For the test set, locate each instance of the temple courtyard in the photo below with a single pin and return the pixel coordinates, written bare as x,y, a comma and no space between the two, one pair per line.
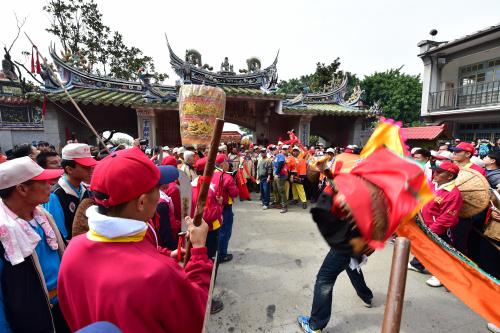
271,280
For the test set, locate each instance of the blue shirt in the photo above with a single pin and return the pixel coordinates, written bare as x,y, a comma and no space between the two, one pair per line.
53,206
48,258
278,164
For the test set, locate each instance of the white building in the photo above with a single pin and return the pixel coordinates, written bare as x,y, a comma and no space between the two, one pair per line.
461,84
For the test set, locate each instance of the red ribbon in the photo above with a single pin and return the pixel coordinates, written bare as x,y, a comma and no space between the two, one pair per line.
35,66
180,246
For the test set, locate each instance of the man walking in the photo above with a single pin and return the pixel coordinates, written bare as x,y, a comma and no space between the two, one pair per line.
280,178
264,175
70,190
31,250
297,177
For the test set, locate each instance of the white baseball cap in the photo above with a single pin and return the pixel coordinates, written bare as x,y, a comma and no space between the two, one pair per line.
166,148
78,152
285,147
296,148
20,170
330,150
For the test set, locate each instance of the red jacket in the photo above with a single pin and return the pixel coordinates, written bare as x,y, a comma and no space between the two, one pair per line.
477,168
212,214
175,194
225,185
132,286
441,213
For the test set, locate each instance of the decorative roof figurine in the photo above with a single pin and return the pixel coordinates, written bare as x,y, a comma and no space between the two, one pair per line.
254,77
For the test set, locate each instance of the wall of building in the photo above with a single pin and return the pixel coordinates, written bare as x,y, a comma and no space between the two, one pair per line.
337,131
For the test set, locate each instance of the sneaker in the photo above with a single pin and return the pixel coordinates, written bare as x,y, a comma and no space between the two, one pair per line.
434,282
304,205
265,207
216,306
367,304
493,328
226,258
283,210
413,268
304,324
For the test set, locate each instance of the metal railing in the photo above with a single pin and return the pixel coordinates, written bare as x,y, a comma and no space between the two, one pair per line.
469,96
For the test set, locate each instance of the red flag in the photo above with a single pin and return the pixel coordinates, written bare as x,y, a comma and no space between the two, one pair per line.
32,60
38,68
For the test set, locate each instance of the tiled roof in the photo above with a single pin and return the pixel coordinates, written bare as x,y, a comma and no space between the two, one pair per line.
423,133
102,97
108,97
13,100
249,92
325,109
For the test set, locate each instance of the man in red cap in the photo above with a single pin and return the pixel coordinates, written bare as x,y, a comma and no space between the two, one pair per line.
154,293
462,155
70,190
31,251
225,187
441,214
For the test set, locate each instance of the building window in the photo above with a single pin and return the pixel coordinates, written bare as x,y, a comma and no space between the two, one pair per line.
20,116
486,71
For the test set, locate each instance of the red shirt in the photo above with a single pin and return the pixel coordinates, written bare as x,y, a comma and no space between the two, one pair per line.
477,168
441,213
225,185
212,214
175,194
133,286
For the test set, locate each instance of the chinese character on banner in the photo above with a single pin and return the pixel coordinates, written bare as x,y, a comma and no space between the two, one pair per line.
146,129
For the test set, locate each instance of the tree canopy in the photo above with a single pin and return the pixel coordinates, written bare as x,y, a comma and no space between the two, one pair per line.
78,25
316,81
399,94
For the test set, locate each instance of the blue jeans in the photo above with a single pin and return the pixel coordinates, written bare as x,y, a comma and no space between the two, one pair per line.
226,229
333,265
265,191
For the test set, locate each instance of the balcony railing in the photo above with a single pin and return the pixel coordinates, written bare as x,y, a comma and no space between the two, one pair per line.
469,96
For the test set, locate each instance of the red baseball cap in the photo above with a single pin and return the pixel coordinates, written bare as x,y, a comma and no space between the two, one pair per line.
169,160
123,176
464,146
200,164
449,166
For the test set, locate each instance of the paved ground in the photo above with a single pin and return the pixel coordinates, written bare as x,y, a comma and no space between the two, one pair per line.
271,280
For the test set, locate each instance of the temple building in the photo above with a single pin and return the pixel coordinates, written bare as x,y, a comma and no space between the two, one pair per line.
148,110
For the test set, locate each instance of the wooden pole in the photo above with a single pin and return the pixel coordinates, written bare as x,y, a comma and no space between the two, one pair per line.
207,173
69,96
397,284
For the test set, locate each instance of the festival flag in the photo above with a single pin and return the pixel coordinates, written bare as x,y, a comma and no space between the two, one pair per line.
35,65
478,290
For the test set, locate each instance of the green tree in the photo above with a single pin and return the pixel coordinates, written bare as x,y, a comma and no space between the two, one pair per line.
316,81
399,94
79,27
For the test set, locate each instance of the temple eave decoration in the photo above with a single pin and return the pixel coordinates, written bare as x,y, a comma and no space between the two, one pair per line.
192,70
75,75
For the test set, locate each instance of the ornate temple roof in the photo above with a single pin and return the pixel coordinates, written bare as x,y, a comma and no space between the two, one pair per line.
192,70
328,110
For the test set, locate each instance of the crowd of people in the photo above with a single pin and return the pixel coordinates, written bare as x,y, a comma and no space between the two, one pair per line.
117,216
